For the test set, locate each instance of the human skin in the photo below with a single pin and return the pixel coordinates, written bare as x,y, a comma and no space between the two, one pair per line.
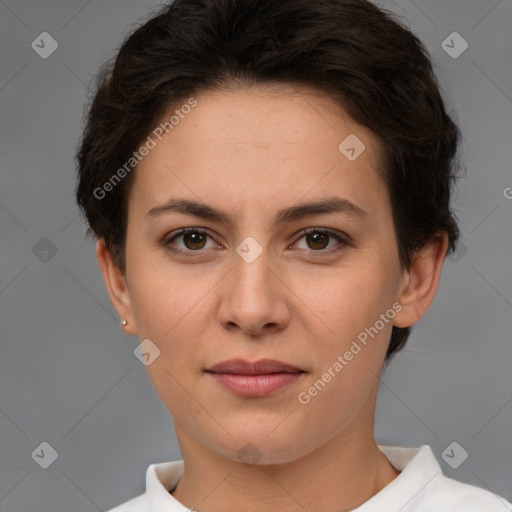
251,152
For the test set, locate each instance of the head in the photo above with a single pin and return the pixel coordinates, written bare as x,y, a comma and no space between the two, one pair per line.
228,104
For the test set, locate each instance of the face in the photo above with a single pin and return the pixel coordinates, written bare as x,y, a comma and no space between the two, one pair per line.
265,279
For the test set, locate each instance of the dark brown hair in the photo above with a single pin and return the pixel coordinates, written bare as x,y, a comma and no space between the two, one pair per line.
350,50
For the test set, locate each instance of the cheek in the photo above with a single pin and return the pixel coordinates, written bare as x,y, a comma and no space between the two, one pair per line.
166,312
160,296
172,308
353,352
353,298
351,308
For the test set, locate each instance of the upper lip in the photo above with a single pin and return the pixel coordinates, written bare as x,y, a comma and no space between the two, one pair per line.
261,367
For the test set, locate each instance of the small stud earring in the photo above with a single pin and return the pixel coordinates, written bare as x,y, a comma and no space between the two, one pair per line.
124,322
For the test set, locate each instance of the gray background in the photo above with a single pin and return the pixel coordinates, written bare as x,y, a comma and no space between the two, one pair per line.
68,376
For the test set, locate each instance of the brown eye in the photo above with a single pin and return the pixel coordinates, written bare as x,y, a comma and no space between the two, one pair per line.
317,240
193,239
320,240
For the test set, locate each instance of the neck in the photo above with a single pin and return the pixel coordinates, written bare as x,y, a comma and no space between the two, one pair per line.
338,476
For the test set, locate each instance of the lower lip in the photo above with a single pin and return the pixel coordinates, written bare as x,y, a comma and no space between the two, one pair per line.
255,385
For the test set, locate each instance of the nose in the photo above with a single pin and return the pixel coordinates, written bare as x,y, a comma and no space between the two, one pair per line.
254,298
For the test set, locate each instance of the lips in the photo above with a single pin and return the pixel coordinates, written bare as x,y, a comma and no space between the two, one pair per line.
255,379
261,367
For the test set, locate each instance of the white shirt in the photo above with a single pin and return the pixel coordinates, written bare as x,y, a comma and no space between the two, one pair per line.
420,487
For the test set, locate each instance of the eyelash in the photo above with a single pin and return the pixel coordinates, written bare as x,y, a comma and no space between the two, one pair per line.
342,243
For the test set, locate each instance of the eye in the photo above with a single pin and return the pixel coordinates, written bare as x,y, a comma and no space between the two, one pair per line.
193,239
317,240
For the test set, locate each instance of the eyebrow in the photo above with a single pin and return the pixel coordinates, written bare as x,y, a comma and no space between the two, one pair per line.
200,209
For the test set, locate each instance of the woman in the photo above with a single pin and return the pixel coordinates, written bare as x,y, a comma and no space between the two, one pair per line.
269,183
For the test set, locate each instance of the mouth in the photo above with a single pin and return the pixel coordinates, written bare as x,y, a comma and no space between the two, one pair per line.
254,379
261,367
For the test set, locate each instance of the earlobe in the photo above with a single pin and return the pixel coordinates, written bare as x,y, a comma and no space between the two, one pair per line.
117,288
421,281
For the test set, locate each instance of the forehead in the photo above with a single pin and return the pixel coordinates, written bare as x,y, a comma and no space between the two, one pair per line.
258,146
271,114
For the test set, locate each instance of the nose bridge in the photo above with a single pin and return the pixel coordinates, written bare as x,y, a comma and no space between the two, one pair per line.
252,274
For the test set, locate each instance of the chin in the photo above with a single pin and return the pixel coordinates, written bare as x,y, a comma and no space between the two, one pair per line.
264,447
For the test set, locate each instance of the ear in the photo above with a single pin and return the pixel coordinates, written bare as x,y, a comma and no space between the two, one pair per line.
117,288
420,281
